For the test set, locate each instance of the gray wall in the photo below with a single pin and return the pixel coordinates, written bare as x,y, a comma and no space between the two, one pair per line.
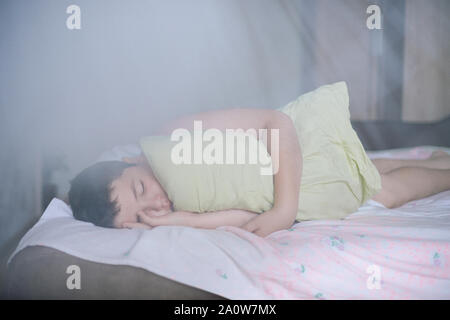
134,64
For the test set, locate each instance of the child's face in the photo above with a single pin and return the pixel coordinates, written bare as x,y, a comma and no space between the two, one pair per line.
137,190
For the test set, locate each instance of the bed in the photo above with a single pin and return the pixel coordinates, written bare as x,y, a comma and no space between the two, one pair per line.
375,253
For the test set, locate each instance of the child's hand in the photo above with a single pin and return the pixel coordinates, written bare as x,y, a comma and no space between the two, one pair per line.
268,222
176,218
157,213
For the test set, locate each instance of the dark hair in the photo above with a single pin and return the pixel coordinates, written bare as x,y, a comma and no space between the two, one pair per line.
89,194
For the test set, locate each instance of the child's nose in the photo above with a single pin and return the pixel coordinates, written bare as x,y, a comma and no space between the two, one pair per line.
163,203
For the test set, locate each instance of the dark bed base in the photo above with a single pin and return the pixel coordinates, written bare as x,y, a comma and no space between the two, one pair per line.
40,273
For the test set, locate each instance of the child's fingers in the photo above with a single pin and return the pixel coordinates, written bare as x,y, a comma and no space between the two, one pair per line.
154,220
250,226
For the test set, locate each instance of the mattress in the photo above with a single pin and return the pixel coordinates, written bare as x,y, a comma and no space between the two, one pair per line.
375,253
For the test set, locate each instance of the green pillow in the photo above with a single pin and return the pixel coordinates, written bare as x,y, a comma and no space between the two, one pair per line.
337,176
210,187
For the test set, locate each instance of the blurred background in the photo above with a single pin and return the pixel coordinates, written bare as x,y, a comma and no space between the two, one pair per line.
67,95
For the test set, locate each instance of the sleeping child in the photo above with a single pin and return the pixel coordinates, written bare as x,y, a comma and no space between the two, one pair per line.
319,171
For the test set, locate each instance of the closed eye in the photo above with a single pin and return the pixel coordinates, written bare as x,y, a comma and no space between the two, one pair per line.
143,188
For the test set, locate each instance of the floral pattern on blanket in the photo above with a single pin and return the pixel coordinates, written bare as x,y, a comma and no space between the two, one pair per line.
367,258
362,257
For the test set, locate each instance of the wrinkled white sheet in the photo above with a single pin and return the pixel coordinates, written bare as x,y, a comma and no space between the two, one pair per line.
375,253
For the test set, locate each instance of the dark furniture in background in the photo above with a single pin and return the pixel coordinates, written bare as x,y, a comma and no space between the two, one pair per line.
379,135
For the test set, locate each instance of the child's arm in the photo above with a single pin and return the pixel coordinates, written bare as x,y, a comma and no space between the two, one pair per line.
288,160
232,217
207,220
286,181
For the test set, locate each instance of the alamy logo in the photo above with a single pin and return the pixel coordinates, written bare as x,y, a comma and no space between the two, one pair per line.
74,20
74,280
190,150
374,20
374,280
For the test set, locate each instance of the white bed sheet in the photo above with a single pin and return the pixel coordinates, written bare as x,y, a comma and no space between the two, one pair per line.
375,253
